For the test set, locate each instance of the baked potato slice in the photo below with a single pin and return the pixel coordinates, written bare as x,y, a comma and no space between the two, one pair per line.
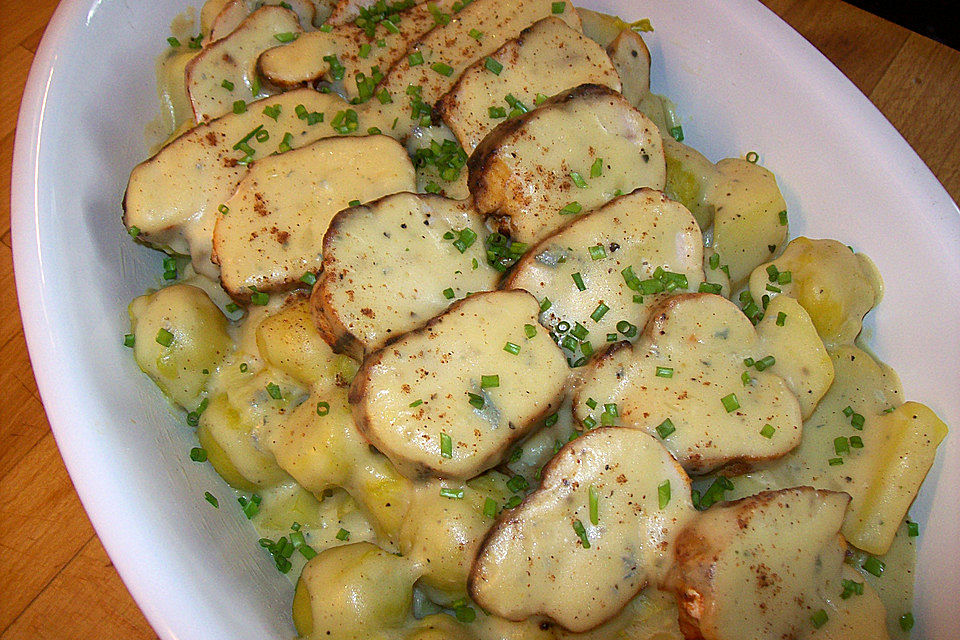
575,152
686,381
391,265
357,52
272,230
836,286
226,71
172,198
543,60
436,60
600,526
450,398
600,260
759,567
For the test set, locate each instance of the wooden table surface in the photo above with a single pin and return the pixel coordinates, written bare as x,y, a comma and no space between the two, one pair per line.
56,581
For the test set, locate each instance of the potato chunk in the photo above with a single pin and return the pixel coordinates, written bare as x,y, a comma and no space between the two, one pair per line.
597,531
319,445
391,265
234,59
181,337
543,60
356,591
759,567
522,175
641,231
172,198
273,230
451,397
836,286
685,380
747,225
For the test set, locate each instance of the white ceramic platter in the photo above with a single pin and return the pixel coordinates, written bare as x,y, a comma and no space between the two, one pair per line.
744,81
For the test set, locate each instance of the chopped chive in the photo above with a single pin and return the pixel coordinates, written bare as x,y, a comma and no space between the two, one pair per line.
365,50
710,287
848,411
226,84
851,587
784,277
767,431
212,499
913,529
578,180
251,506
164,337
594,506
490,508
578,280
581,533
571,208
384,97
611,409
239,107
664,372
442,68
765,363
415,58
627,329
476,35
129,340
596,169
558,7
529,330
193,418
599,312
874,566
819,618
591,403
518,483
545,304
783,218
198,454
745,378
497,112
492,66
511,348
589,422
323,408
611,337
841,445
516,454
343,535
856,442
663,493
173,42
416,403
446,446
259,298
309,278
551,419
677,133
449,294
286,36
454,494
781,318
665,428
597,252
489,382
857,421
730,402
835,462
272,112
243,367
274,391
475,400
714,261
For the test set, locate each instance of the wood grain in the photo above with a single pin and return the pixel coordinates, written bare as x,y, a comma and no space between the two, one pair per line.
55,579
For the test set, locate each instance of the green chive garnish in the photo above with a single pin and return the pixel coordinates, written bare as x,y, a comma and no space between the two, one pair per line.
578,180
596,169
906,621
665,428
664,372
581,533
164,337
599,312
449,294
212,499
454,494
913,529
558,7
819,618
490,508
323,408
129,340
597,252
239,107
442,68
730,402
274,391
343,535
874,566
663,493
475,400
594,506
511,348
492,66
198,454
446,445
578,280
571,208
767,431
416,403
489,382
529,330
